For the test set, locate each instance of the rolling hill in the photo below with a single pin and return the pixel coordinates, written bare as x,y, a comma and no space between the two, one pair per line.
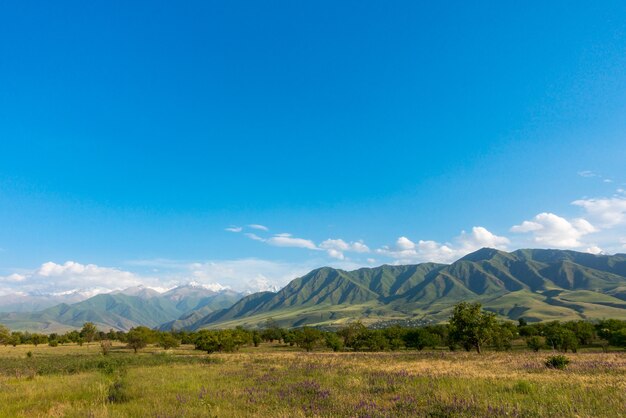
534,284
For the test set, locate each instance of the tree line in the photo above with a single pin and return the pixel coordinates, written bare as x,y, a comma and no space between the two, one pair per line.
469,328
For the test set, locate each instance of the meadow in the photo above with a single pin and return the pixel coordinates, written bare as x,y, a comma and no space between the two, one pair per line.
275,380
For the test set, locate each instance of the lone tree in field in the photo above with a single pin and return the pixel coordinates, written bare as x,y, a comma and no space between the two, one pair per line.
471,327
138,338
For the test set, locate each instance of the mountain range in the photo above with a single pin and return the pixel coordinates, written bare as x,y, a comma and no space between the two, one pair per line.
532,283
124,309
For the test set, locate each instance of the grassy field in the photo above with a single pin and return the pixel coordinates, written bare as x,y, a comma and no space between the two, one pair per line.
273,381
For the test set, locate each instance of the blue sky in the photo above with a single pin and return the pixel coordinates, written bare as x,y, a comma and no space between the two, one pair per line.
137,139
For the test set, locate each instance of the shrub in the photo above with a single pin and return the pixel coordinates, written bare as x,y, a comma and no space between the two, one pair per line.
106,367
557,362
522,386
118,391
53,343
105,347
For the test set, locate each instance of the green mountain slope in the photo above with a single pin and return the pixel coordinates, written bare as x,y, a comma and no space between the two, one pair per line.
535,284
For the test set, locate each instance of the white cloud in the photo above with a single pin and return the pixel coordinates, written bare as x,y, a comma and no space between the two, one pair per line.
429,250
594,250
606,212
554,231
359,247
259,227
249,274
13,278
406,251
286,240
53,278
233,229
335,254
587,173
254,237
337,247
404,244
480,237
262,284
337,244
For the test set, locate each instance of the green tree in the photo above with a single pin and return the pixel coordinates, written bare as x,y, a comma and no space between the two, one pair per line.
37,339
241,337
16,338
420,338
607,327
503,334
308,338
536,343
370,340
138,338
5,335
73,336
471,327
167,341
289,337
207,341
584,331
226,341
553,331
271,331
333,341
111,335
256,338
395,337
353,335
89,331
618,338
569,341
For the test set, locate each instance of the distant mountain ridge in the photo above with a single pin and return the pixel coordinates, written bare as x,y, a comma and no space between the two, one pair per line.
123,309
37,302
533,283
